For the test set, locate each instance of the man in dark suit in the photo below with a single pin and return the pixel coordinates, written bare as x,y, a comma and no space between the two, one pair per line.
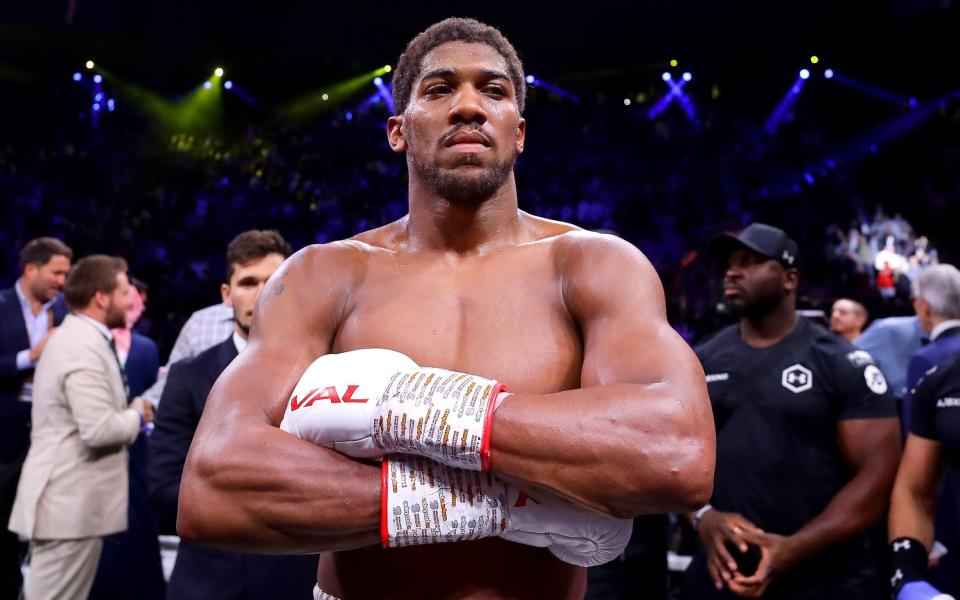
936,300
29,312
204,573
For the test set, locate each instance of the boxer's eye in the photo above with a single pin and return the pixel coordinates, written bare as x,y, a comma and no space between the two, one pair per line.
437,89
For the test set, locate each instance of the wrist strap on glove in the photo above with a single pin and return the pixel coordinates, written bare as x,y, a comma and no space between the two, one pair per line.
444,415
423,502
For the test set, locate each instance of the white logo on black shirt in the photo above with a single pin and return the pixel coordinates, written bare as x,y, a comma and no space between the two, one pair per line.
858,358
712,377
797,378
875,379
948,403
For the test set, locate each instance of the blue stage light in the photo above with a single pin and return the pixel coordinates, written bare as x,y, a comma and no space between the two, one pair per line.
96,107
97,78
666,76
687,76
111,105
77,76
228,84
98,97
804,74
828,73
207,85
531,78
378,81
349,116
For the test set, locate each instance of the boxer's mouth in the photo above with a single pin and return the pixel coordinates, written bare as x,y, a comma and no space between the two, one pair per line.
467,137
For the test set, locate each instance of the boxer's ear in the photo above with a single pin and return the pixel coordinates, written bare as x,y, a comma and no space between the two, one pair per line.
395,134
521,134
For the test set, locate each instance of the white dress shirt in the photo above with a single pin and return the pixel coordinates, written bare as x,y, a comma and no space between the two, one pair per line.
37,326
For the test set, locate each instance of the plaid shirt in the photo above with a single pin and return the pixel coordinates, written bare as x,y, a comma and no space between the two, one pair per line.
205,328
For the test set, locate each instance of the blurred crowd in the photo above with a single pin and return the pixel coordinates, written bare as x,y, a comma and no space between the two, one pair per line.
169,202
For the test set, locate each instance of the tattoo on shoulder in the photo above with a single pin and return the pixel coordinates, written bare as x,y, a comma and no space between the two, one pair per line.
278,287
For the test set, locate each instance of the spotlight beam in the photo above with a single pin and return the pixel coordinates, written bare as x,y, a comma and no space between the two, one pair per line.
553,89
385,93
874,91
311,104
783,107
676,89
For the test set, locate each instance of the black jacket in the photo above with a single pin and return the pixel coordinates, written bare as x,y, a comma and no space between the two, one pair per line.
205,573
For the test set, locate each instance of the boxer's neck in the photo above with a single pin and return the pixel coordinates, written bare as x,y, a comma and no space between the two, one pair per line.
437,224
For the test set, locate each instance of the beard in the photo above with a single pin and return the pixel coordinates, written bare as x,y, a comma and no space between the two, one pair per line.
116,317
464,188
762,303
244,327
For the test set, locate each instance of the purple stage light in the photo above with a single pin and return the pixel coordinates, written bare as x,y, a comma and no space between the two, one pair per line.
111,105
228,84
207,85
828,73
378,81
98,96
687,76
804,74
666,76
96,107
531,79
77,76
97,78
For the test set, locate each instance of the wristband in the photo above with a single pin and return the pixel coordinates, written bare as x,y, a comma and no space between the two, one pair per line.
440,414
698,516
908,562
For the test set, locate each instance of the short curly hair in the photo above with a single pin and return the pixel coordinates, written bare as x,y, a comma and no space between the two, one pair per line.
453,29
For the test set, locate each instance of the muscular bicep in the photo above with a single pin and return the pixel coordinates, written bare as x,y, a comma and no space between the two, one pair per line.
293,323
870,443
618,301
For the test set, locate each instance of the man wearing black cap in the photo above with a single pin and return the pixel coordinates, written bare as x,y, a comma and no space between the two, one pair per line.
807,441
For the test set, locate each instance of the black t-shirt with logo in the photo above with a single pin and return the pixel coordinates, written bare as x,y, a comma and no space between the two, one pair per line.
936,407
778,460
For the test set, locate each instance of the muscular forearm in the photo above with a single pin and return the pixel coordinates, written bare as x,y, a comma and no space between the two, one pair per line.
264,491
857,506
622,449
911,514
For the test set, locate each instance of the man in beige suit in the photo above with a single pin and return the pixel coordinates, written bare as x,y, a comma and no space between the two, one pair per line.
73,488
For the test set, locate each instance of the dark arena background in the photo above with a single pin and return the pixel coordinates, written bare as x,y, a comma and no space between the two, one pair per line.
150,165
158,131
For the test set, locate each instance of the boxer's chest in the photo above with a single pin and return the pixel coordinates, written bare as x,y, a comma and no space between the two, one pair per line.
500,316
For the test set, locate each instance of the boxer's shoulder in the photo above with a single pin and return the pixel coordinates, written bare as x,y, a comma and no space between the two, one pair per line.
341,258
594,261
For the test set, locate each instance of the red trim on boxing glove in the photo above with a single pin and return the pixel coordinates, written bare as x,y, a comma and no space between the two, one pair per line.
384,487
485,462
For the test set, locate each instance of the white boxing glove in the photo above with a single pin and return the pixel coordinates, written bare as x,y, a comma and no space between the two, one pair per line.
373,402
424,502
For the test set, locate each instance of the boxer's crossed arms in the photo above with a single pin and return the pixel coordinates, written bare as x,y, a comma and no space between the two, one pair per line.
541,367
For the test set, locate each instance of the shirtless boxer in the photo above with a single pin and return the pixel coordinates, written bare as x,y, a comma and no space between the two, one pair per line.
608,411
